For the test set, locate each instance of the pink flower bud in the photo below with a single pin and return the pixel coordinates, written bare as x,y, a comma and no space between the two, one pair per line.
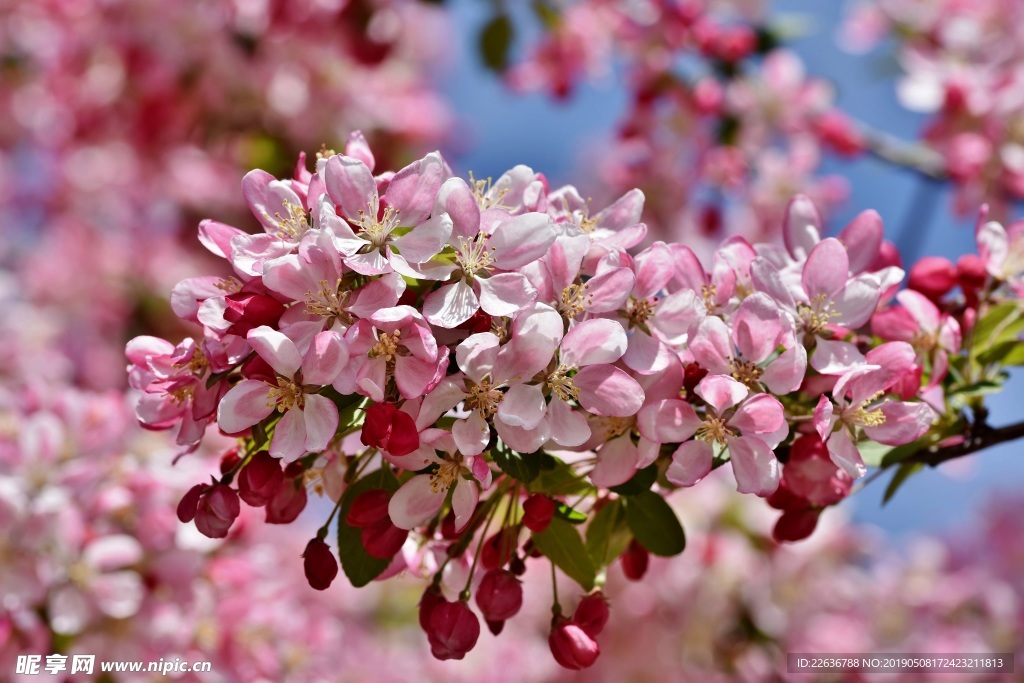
190,502
537,512
796,525
319,564
933,276
246,311
498,549
287,503
500,595
591,614
383,539
217,510
634,561
572,647
368,508
970,272
389,429
260,479
431,598
453,630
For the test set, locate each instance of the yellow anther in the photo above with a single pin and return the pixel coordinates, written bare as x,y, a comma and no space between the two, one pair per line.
286,395
561,385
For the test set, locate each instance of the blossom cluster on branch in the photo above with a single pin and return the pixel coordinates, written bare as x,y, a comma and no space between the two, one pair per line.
473,371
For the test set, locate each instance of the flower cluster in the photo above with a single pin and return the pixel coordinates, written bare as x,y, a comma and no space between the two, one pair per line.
470,370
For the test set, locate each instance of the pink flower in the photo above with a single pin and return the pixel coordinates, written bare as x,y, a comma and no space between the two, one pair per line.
750,432
572,647
1002,251
308,420
919,321
857,402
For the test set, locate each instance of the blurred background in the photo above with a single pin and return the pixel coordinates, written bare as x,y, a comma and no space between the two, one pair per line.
125,122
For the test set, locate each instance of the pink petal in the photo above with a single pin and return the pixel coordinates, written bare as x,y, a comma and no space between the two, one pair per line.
826,270
243,406
472,434
278,350
522,440
451,305
415,502
187,295
383,292
689,270
425,240
856,302
835,357
845,454
349,184
786,373
759,414
676,314
645,354
711,346
608,291
523,406
863,238
668,421
904,422
607,390
505,293
324,360
569,428
413,376
372,263
993,247
623,213
521,240
217,237
522,358
592,342
358,148
802,228
616,462
458,201
758,327
721,392
691,462
464,500
321,422
476,355
413,189
924,311
823,421
654,268
289,440
754,466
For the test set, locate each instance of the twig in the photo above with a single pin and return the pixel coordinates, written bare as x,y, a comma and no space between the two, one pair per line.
911,155
982,437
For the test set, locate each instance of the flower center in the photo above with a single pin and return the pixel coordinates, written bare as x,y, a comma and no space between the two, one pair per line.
231,285
183,393
710,295
196,365
483,399
866,415
638,311
486,196
714,430
574,300
473,256
285,396
560,384
815,315
377,230
746,372
617,426
328,302
386,346
446,474
293,224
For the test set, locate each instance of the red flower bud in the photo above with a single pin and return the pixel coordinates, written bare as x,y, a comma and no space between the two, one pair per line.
498,549
217,510
246,311
431,598
319,564
499,596
368,508
933,276
452,630
591,614
692,375
190,502
796,525
634,561
389,429
537,512
572,647
970,272
260,479
229,460
383,539
287,503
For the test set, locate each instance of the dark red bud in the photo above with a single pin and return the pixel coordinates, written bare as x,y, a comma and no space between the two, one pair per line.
500,595
368,508
190,502
217,510
572,647
260,479
453,630
537,512
319,564
287,503
634,561
431,598
692,375
495,627
383,539
933,276
591,614
229,460
498,549
246,311
796,525
389,429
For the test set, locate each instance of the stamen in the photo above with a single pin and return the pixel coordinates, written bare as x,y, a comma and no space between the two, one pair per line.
482,398
574,300
329,302
638,311
285,396
386,346
473,255
560,384
817,314
486,198
293,224
714,430
446,474
746,372
374,230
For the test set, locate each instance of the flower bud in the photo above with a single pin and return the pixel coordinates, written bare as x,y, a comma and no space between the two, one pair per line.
287,503
389,429
217,510
572,647
537,512
499,548
383,539
591,614
933,276
190,502
260,479
431,598
319,564
499,596
368,508
452,630
634,561
246,310
796,525
229,460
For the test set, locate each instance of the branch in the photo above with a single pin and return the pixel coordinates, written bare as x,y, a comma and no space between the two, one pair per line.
912,155
982,437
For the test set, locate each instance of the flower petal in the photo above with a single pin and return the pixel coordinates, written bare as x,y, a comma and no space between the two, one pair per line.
278,350
593,342
415,502
243,406
826,270
607,390
321,421
754,466
289,440
690,463
670,420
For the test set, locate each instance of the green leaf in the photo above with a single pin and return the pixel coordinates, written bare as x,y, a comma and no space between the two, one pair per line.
571,515
547,13
607,535
1009,352
982,388
903,472
562,544
525,468
360,567
872,452
999,324
495,42
654,524
215,377
642,481
558,479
